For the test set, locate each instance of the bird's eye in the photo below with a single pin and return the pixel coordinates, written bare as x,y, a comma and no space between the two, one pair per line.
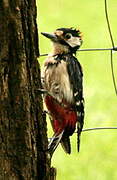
68,36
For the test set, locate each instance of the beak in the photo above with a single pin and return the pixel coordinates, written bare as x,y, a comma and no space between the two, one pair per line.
50,36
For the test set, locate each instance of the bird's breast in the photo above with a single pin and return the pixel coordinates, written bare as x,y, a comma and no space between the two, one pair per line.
56,80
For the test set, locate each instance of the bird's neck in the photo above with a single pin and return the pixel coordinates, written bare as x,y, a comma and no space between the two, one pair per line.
59,49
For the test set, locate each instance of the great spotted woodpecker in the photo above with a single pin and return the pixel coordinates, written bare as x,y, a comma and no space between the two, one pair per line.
63,81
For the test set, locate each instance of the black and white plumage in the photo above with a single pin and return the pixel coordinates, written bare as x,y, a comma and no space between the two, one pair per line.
63,80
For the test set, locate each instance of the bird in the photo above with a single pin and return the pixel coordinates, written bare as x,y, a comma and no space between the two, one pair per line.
62,80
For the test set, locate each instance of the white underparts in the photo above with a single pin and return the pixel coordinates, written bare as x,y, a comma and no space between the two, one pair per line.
56,82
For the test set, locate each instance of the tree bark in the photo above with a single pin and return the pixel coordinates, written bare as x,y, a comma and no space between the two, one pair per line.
23,138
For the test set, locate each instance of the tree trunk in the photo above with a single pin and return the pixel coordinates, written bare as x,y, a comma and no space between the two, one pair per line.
23,138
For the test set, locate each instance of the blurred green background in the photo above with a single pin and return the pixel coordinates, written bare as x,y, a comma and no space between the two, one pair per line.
98,154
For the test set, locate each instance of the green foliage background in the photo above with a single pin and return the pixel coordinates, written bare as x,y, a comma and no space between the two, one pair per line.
98,154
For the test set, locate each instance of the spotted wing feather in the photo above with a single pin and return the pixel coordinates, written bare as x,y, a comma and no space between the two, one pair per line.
76,80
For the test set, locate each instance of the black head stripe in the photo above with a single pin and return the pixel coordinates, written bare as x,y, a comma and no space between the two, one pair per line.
74,32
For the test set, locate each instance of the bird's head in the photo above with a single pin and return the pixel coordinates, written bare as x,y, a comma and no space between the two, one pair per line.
67,39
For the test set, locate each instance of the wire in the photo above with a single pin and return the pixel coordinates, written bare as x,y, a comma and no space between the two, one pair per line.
112,70
99,49
93,129
92,49
43,55
98,128
114,48
108,23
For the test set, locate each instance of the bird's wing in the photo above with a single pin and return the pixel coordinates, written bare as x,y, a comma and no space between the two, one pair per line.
76,80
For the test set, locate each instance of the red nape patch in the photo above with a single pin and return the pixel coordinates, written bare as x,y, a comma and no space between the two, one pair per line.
63,117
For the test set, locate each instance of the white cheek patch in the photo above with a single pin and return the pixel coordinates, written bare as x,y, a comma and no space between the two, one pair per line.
74,41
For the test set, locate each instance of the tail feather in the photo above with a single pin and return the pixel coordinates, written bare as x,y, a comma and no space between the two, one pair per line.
65,142
54,142
78,141
79,130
